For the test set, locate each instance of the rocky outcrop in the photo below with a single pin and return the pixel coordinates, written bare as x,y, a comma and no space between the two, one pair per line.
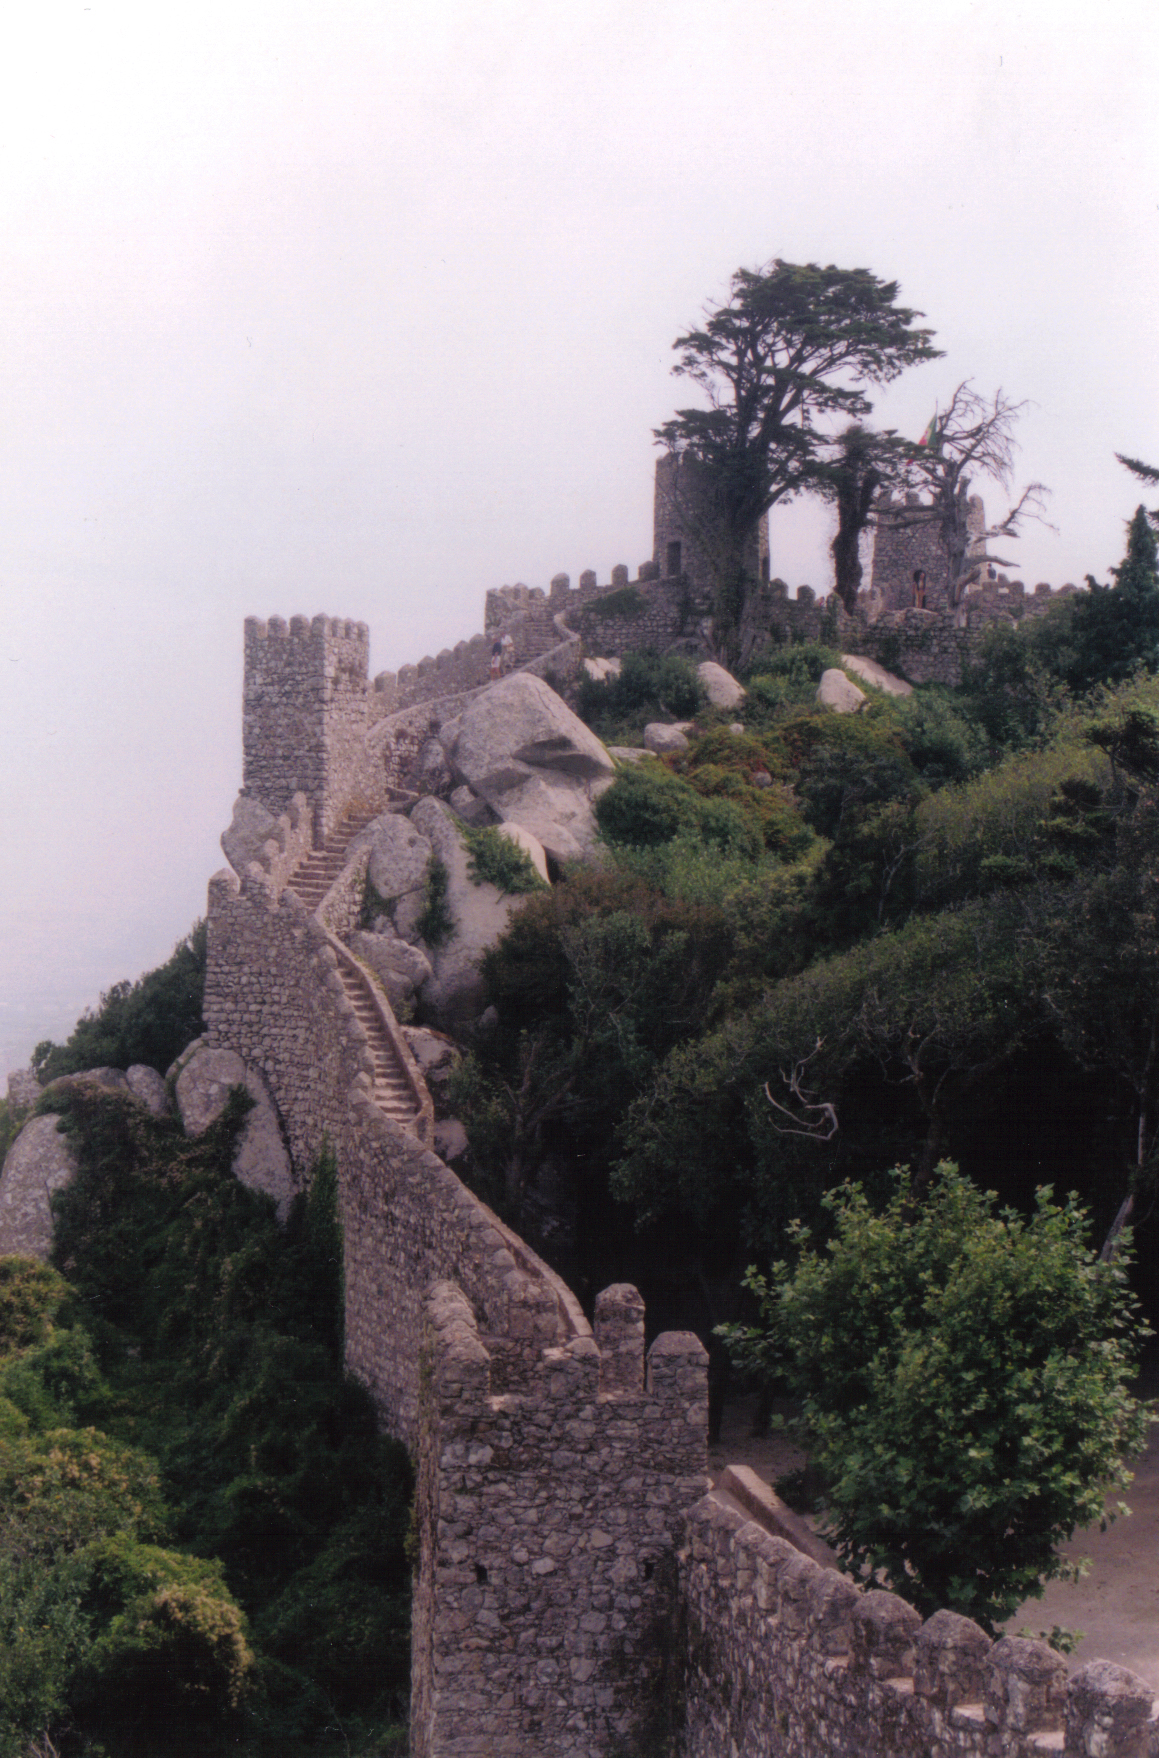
250,829
148,1088
260,1161
519,747
720,686
663,740
840,693
876,674
40,1160
400,967
531,846
453,996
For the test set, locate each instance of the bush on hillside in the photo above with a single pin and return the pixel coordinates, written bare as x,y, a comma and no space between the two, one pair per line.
650,686
206,1340
965,1376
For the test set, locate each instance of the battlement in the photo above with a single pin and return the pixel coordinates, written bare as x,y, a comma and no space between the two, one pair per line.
832,1666
304,713
316,629
571,1565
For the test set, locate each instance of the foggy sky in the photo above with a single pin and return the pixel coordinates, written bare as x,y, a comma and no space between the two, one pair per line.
364,308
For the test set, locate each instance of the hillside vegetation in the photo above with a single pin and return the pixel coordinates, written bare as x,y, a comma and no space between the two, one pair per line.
814,951
835,943
203,1545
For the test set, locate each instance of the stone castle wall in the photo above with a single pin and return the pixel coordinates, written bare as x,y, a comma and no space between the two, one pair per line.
556,1466
787,1659
304,712
577,1592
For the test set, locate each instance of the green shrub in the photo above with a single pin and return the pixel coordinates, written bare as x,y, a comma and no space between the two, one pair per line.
649,687
496,859
32,1298
436,924
173,1643
645,805
373,903
966,1380
627,602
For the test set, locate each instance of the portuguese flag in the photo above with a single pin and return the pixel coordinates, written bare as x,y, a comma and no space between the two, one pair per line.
930,435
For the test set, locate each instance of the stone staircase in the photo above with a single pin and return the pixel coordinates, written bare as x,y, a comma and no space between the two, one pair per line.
392,1091
313,876
310,881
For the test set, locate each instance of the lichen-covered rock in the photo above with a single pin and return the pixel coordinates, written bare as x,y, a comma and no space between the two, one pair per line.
517,726
453,995
876,674
203,1086
555,809
250,828
720,686
662,739
471,809
450,1140
521,749
23,1088
400,967
110,1080
840,693
260,1158
148,1088
435,1053
399,856
40,1160
531,846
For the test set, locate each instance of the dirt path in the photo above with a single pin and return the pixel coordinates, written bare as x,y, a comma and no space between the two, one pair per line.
1116,1605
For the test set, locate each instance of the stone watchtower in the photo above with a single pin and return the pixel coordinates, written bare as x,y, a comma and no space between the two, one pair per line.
677,510
304,714
906,544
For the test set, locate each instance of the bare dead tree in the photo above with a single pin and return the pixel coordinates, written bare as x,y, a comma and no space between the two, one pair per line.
822,1125
973,436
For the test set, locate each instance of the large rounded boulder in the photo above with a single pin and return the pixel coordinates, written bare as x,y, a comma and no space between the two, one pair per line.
519,747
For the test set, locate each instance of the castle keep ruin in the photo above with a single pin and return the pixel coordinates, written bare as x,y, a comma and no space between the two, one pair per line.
580,1591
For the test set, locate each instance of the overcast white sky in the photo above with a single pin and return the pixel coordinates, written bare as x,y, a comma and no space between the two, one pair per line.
366,307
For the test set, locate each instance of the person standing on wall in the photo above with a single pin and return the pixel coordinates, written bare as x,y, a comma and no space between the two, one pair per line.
496,658
507,646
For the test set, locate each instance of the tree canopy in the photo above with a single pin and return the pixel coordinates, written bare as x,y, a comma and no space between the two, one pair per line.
965,1376
794,345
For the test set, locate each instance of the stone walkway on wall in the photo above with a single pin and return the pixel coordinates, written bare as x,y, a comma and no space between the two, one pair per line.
394,1087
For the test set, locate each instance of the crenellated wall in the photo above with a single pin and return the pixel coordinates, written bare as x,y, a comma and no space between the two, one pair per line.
578,1593
556,1469
787,1659
304,712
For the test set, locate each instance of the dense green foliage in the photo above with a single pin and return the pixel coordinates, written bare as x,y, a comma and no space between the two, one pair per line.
219,1553
436,922
912,922
148,1021
647,687
964,1377
497,859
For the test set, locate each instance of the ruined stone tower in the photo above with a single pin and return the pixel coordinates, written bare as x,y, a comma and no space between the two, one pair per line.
905,544
677,509
304,713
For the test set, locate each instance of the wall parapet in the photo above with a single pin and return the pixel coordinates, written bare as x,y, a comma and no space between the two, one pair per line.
788,1659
